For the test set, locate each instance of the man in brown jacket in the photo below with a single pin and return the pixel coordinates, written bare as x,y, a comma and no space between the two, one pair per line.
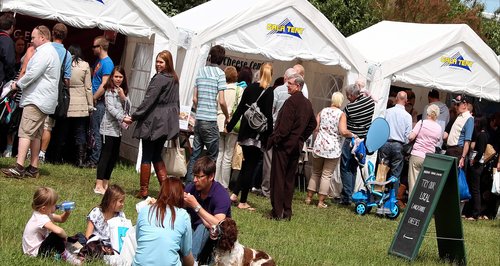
294,125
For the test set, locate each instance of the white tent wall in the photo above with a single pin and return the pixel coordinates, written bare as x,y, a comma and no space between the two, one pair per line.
147,28
447,57
252,27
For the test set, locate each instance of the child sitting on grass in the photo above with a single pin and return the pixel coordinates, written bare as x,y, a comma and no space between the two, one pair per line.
111,206
41,236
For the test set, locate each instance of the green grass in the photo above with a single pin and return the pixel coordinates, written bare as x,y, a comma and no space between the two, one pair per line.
333,236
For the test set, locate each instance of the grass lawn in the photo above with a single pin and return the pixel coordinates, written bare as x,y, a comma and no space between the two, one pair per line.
333,236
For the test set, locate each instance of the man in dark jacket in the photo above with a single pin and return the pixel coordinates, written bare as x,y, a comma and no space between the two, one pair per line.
294,125
7,51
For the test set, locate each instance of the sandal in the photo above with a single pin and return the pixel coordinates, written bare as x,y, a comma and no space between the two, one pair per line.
470,219
307,201
484,217
234,198
245,207
322,206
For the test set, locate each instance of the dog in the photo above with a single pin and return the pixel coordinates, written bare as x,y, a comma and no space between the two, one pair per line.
229,252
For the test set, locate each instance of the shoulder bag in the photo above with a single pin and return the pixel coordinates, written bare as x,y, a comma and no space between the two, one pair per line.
63,95
256,119
408,147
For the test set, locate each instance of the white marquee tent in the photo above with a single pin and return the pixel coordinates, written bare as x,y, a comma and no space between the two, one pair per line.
147,28
255,31
447,57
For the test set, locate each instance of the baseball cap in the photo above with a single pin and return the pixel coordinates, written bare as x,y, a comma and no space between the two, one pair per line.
461,99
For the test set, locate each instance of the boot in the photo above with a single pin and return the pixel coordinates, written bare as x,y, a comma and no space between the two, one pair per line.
80,160
144,181
400,196
161,171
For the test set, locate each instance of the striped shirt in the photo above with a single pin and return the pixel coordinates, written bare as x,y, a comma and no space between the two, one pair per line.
359,115
210,81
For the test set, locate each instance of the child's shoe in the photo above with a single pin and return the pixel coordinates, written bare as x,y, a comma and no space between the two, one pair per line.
71,258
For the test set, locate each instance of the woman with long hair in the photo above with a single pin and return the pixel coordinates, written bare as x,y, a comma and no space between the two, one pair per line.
164,234
81,103
157,119
251,141
116,113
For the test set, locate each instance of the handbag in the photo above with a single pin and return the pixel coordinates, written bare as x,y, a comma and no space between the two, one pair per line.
63,95
118,227
495,187
489,153
174,158
463,188
256,119
408,147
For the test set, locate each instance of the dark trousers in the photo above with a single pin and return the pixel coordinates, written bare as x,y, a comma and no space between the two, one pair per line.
283,169
473,207
53,243
109,155
252,157
151,150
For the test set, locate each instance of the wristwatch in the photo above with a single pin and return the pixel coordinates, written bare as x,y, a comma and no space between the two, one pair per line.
197,208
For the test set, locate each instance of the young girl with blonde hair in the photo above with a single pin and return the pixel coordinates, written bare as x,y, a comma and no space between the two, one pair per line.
41,236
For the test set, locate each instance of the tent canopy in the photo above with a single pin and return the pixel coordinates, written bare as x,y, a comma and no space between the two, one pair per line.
449,57
285,31
138,18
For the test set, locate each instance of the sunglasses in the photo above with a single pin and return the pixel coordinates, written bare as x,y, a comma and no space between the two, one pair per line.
95,46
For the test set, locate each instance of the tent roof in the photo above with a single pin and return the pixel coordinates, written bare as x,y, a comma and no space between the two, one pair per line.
398,45
140,18
220,17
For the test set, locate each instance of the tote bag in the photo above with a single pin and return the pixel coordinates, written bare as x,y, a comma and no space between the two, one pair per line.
174,158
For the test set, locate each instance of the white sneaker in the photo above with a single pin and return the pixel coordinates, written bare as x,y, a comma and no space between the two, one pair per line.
41,158
7,154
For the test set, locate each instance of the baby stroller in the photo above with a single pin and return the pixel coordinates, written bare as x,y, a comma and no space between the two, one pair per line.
376,194
8,105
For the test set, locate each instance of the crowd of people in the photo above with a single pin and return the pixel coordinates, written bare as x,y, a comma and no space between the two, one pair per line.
269,122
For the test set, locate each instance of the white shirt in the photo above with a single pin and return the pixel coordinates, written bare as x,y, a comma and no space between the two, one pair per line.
305,91
35,233
40,83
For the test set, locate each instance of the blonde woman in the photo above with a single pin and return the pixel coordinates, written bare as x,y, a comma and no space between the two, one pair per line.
428,134
330,133
251,141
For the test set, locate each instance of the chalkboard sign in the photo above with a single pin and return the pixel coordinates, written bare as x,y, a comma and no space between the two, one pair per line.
435,192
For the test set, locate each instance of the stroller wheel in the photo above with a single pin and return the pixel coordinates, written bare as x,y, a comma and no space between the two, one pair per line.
361,208
394,212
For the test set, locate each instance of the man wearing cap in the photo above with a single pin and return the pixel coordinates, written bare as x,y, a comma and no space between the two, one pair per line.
444,113
458,140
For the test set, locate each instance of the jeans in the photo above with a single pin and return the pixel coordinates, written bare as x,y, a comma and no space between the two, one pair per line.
206,133
348,171
200,237
392,154
95,125
225,158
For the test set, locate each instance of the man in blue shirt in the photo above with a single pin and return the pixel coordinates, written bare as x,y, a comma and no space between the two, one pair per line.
207,202
400,125
59,33
102,71
208,91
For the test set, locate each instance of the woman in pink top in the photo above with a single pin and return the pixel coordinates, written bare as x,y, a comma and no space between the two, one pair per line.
428,134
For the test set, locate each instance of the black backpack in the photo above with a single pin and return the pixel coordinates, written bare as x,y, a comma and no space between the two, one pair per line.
63,95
